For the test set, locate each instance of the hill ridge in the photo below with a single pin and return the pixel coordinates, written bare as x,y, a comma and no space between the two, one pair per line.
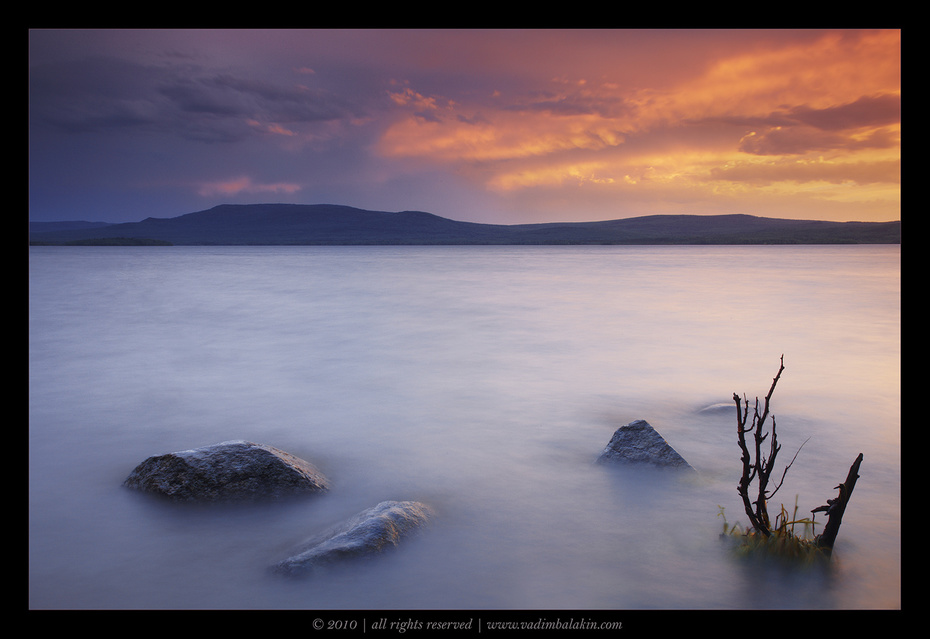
338,224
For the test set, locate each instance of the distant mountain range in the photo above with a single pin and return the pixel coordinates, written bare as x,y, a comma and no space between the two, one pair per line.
327,224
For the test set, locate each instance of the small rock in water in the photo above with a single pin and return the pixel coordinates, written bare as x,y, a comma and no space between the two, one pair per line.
228,471
639,443
371,531
719,407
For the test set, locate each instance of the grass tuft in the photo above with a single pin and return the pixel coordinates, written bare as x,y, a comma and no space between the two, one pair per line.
784,544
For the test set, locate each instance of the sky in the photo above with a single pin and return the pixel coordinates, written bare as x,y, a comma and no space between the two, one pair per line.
495,126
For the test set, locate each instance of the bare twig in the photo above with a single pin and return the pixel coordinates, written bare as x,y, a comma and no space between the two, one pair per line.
756,466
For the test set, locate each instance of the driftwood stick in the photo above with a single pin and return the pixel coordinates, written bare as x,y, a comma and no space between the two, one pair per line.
836,507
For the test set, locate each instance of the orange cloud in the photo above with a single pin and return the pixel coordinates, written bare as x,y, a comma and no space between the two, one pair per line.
273,128
243,184
824,111
509,136
552,174
837,69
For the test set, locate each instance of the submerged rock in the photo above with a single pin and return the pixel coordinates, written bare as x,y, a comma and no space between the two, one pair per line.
371,531
228,471
717,408
639,443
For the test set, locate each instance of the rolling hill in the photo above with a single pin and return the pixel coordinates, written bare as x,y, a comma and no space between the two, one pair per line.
326,224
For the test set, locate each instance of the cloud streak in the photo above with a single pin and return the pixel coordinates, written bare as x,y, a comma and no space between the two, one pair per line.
485,125
243,184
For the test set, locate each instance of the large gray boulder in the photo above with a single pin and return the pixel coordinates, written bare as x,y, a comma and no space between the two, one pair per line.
229,471
371,531
639,443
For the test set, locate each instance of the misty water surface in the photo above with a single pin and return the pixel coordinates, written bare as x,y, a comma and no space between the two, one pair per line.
481,380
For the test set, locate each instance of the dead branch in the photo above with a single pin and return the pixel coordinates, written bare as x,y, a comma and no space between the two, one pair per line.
835,508
757,466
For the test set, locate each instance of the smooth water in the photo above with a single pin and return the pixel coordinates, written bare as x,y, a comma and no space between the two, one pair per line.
481,380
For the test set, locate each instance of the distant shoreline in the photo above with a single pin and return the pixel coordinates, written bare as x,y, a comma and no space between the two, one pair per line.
335,225
150,242
106,241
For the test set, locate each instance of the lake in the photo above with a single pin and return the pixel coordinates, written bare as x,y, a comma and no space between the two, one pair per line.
481,380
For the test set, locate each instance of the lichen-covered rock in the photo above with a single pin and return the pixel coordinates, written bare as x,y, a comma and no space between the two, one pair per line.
228,471
639,443
374,530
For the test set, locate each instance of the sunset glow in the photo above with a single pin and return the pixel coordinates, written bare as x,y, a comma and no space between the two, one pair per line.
495,126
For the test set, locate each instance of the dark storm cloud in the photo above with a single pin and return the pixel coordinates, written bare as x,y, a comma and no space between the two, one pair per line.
797,140
91,95
229,95
100,94
876,110
803,128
